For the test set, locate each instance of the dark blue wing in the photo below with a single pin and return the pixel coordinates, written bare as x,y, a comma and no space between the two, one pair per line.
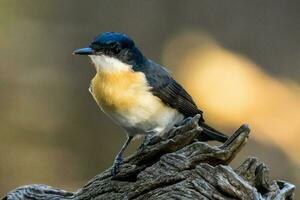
168,90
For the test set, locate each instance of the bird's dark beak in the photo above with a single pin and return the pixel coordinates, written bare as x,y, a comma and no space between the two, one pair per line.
84,51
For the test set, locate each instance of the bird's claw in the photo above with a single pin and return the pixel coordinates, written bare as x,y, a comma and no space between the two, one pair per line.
150,139
182,122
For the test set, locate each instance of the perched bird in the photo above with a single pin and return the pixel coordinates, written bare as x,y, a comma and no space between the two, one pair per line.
137,93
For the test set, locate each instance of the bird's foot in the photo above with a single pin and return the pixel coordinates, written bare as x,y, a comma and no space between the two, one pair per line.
118,162
184,121
149,139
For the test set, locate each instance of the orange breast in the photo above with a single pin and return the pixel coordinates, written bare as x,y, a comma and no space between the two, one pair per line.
117,91
125,97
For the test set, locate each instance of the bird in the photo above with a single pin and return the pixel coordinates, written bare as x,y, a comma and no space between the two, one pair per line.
138,94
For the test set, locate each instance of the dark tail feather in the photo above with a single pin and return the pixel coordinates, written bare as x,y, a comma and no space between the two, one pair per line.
211,133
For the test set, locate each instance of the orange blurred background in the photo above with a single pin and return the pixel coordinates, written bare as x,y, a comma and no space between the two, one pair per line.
233,89
239,60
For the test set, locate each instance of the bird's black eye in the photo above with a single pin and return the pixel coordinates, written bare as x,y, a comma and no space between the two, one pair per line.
116,48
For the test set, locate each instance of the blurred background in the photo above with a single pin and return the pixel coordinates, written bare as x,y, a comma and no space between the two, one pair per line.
238,59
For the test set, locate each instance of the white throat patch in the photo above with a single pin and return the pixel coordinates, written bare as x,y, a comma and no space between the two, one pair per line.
109,64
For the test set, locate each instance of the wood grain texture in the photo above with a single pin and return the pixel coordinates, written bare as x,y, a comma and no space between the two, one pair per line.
178,166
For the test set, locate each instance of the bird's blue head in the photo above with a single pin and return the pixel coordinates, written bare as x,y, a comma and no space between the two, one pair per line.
113,45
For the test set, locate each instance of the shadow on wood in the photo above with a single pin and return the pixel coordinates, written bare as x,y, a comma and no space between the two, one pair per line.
178,166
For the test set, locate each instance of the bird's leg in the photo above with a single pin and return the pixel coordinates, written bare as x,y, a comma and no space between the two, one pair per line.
119,158
150,138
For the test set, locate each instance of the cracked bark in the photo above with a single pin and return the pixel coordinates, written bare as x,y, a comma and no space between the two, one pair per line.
178,166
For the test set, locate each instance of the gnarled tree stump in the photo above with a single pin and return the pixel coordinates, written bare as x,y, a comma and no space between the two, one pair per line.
178,166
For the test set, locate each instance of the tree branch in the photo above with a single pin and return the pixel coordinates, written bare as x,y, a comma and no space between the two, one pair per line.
178,166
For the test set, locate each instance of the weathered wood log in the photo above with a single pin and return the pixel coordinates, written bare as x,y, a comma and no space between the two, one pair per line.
177,166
